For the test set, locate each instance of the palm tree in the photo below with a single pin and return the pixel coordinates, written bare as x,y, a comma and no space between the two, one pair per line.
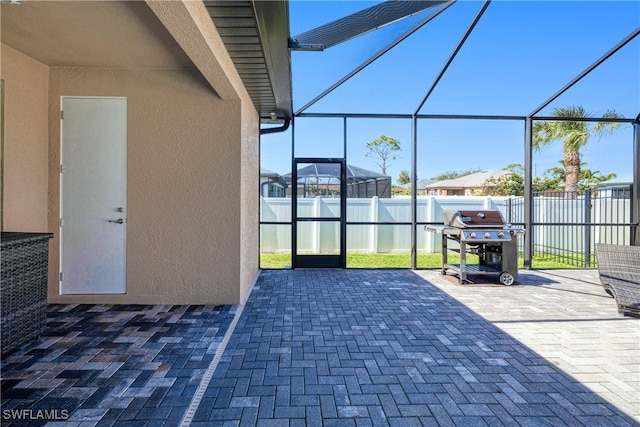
590,179
574,135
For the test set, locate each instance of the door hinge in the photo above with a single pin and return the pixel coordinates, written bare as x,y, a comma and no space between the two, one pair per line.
61,276
62,169
61,222
62,114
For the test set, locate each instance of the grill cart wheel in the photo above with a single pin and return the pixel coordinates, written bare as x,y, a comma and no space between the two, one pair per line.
506,279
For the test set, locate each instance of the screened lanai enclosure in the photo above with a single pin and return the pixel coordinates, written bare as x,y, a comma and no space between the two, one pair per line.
323,179
416,92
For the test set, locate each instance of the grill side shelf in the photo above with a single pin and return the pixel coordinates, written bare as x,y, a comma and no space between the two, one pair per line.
441,229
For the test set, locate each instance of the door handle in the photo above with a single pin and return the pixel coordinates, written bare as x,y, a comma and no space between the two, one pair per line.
117,221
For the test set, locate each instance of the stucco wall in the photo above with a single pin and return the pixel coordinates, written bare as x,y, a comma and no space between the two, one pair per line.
26,142
190,220
250,201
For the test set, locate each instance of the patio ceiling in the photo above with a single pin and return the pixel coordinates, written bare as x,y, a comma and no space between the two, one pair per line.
91,34
127,34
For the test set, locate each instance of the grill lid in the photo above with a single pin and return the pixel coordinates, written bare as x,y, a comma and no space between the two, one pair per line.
472,218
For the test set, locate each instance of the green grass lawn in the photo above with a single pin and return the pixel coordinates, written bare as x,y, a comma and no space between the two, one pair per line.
398,260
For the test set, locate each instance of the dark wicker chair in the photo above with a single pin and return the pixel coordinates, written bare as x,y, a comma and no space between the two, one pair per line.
619,270
23,287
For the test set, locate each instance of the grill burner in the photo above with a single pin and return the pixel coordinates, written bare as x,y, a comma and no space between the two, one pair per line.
481,232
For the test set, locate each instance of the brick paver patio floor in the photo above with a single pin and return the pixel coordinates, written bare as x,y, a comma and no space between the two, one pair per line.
340,347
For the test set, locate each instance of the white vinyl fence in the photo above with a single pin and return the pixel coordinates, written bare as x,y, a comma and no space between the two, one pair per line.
383,238
319,236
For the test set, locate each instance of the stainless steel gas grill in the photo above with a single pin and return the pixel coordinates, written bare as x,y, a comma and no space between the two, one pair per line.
484,233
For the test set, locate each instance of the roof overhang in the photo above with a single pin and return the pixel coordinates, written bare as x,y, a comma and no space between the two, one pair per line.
256,35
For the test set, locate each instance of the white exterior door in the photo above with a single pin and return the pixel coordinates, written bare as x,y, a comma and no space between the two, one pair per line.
93,195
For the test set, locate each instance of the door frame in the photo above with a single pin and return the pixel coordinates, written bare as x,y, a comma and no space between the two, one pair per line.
318,260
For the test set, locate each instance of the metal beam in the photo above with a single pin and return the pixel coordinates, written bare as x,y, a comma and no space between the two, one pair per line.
414,192
586,119
587,71
453,54
375,56
354,115
635,235
528,192
469,116
359,23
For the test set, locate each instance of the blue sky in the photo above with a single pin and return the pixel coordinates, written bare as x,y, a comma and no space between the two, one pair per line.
519,55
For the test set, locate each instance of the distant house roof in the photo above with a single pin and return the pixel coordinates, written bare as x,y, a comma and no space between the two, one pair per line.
617,182
474,180
422,183
268,173
272,176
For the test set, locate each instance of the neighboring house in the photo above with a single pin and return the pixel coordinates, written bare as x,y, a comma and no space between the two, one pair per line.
272,184
468,185
181,221
421,185
617,188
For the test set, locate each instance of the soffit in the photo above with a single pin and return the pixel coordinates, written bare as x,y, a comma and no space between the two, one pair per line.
256,35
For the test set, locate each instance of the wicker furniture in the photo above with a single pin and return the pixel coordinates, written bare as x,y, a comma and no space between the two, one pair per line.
23,287
619,269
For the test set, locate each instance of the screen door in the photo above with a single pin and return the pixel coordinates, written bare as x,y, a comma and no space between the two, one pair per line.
319,206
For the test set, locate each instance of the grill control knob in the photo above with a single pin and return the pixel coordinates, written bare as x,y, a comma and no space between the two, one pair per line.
487,235
472,235
500,235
